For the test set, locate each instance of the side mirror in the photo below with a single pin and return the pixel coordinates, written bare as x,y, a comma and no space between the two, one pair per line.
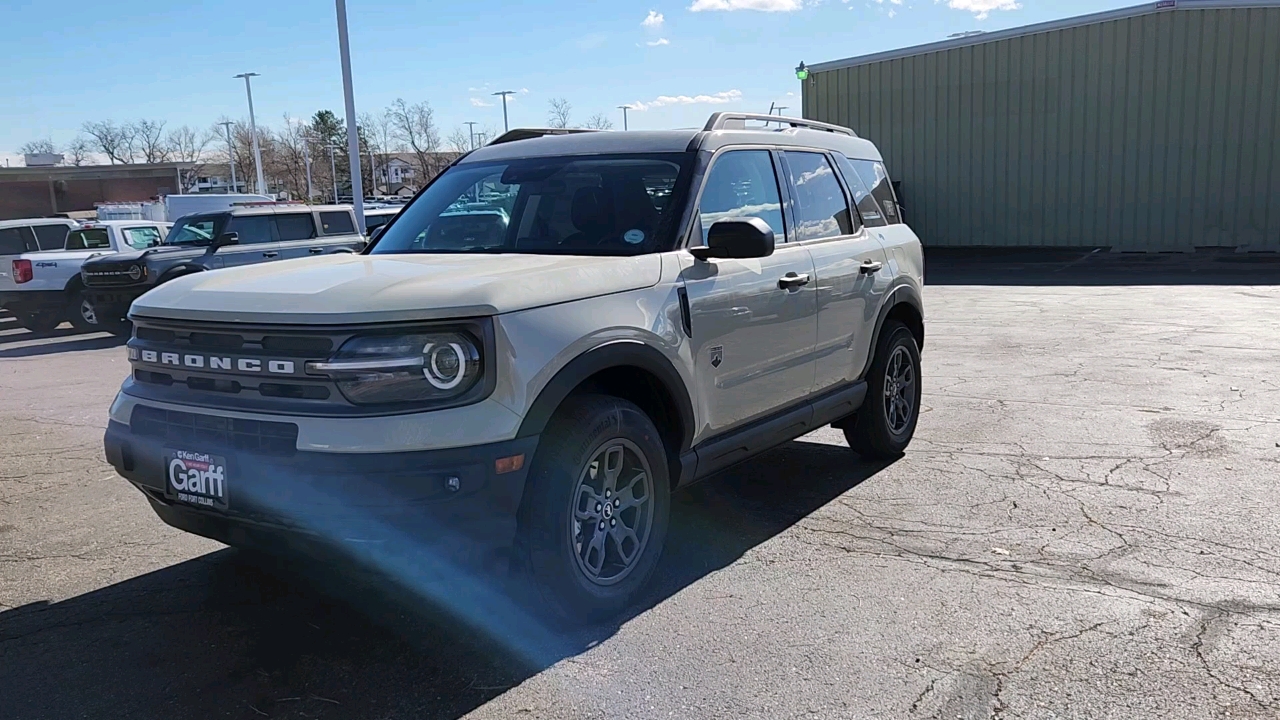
377,233
226,239
740,238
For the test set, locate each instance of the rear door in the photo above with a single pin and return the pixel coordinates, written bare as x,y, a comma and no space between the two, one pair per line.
296,232
52,236
339,232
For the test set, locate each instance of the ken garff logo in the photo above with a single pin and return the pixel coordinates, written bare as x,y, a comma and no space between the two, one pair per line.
214,362
717,356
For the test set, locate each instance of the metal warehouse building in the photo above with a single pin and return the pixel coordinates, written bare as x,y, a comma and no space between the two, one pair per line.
1153,128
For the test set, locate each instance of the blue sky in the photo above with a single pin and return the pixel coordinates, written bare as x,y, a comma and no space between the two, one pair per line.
76,60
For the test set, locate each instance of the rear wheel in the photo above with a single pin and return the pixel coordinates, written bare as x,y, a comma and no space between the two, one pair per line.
596,510
885,424
39,321
82,313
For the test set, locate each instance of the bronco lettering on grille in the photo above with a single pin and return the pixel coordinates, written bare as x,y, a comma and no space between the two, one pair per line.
196,361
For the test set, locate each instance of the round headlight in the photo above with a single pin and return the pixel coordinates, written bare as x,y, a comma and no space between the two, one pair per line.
135,272
391,369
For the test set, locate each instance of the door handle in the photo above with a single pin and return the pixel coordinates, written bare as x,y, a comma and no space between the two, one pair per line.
317,250
792,281
270,254
870,267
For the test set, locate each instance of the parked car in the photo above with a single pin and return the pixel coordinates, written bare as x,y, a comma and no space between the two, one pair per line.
20,242
525,393
207,241
377,217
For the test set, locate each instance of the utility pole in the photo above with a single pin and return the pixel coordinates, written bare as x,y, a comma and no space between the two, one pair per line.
471,126
231,154
333,172
253,130
306,156
624,109
504,94
353,132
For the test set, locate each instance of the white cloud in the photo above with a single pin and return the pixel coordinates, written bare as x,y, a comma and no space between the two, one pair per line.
477,102
720,98
659,41
524,91
982,8
761,5
654,20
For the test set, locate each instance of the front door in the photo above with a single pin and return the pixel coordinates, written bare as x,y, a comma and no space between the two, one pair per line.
753,321
257,243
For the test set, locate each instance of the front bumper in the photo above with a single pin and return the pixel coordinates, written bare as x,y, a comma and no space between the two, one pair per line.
114,302
450,505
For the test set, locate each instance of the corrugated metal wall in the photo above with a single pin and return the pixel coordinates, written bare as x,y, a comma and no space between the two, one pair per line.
1159,132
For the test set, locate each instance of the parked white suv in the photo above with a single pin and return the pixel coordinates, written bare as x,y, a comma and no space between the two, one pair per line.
522,382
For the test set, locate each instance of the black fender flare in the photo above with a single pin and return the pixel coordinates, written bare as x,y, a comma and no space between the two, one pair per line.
179,271
620,353
907,294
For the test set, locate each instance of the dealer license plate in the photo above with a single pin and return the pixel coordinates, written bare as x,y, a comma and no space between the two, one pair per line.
196,479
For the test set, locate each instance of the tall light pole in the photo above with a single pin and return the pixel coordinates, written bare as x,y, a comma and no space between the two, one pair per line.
231,154
333,172
471,126
624,109
306,156
253,130
504,94
353,132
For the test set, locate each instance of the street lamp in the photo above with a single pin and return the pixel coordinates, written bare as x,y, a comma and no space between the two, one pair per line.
333,172
504,94
231,154
780,108
471,126
353,135
624,109
253,131
306,156
802,72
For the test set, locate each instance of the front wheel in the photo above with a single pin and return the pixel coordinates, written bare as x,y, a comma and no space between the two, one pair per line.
83,314
885,424
596,510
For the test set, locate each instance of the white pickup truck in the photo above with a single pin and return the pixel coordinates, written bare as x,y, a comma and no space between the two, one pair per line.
43,288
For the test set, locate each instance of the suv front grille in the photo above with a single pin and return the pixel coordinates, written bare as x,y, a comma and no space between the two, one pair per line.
110,276
196,430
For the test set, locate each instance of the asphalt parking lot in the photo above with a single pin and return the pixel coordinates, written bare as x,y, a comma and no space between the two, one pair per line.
1086,526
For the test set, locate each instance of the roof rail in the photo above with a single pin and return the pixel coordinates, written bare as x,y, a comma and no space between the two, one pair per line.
530,133
737,121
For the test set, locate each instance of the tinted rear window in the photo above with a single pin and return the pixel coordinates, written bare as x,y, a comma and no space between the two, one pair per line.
91,239
337,223
17,240
51,237
295,227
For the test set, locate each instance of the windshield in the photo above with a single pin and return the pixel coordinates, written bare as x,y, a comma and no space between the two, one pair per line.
596,205
194,230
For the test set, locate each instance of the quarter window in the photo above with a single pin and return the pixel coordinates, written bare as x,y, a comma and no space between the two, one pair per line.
868,206
819,204
17,240
742,183
338,223
877,179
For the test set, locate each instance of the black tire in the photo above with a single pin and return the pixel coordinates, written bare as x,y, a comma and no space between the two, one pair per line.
81,312
551,542
119,328
39,321
881,430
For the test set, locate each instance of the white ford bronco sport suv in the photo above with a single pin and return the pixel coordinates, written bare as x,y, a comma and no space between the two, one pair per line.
557,333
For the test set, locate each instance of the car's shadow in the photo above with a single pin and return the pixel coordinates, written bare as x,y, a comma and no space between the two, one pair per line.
17,342
233,635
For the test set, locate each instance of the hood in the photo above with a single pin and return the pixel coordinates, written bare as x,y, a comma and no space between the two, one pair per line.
339,289
131,256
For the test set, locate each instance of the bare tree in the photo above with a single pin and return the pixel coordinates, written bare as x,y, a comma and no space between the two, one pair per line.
37,147
115,141
77,152
459,140
599,122
414,126
291,148
150,141
187,145
558,113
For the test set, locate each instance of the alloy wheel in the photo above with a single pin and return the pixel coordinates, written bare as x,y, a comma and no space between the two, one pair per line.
899,390
612,516
87,312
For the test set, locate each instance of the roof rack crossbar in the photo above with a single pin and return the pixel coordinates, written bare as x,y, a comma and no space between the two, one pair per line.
727,120
529,133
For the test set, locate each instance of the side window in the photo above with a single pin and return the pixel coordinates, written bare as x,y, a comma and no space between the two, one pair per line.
820,208
337,223
17,240
742,183
296,226
142,238
876,178
252,229
88,239
868,207
51,237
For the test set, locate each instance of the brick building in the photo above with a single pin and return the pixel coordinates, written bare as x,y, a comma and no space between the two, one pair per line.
45,191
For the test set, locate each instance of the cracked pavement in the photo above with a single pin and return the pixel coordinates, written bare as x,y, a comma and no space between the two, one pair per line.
1086,526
